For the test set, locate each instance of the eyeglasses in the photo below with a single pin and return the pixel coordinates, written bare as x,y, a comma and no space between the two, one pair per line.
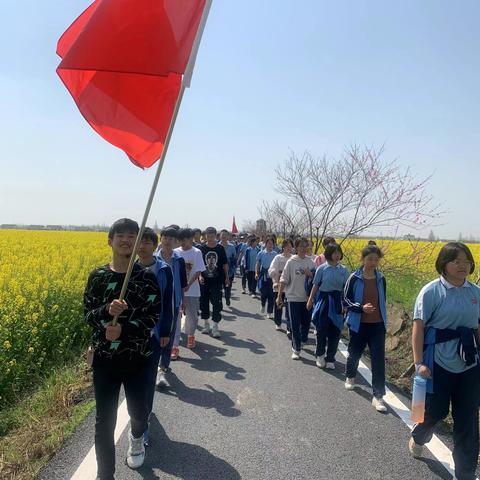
458,263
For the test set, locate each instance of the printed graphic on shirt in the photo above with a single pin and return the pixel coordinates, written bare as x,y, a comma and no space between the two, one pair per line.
188,267
211,263
300,271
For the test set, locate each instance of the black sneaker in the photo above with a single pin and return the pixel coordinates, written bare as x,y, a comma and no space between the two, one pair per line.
227,302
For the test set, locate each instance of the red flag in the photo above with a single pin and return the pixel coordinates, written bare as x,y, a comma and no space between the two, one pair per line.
234,226
122,62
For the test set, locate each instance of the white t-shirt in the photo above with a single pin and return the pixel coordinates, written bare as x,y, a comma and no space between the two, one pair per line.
193,263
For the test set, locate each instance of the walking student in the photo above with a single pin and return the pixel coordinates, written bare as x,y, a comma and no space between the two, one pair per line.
275,272
365,300
321,258
168,240
160,336
265,284
327,315
444,341
250,265
194,266
292,280
121,351
231,253
212,280
242,248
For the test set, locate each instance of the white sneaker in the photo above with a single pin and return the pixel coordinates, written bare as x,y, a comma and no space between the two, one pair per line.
349,383
295,355
161,380
278,328
136,452
270,316
206,328
253,295
320,361
379,405
330,366
415,449
262,310
215,331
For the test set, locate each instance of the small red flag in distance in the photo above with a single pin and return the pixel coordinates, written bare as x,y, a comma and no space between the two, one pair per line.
122,62
234,226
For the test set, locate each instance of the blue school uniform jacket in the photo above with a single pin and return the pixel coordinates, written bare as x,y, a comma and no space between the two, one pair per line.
164,277
353,298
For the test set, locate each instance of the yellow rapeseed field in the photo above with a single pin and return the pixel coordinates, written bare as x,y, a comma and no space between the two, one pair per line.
42,278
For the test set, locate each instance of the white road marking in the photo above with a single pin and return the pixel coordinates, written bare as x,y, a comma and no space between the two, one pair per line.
87,470
438,449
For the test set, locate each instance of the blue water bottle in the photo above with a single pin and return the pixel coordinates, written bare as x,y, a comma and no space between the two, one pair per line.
418,398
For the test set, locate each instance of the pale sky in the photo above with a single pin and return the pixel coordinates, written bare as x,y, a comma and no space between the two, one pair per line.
271,76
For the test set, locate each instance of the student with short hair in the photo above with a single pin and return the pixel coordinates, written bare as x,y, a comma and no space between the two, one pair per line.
265,284
365,299
161,333
275,272
165,251
231,253
321,258
194,266
211,281
250,265
292,280
445,342
327,315
121,351
197,237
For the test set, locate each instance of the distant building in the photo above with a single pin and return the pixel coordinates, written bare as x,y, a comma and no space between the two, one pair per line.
261,226
54,227
409,237
8,226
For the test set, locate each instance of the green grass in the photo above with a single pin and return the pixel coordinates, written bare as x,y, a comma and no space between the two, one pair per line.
33,429
404,290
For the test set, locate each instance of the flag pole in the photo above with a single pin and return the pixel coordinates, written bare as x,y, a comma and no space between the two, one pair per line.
185,83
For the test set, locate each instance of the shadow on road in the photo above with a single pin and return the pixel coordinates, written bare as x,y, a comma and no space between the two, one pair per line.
437,468
208,361
182,460
239,313
210,398
229,339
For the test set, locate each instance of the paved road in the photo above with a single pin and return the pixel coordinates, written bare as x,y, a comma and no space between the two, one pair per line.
240,408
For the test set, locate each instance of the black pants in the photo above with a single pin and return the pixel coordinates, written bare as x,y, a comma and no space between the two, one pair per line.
243,273
211,293
462,390
277,315
108,376
266,295
300,319
252,283
327,340
373,335
228,290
